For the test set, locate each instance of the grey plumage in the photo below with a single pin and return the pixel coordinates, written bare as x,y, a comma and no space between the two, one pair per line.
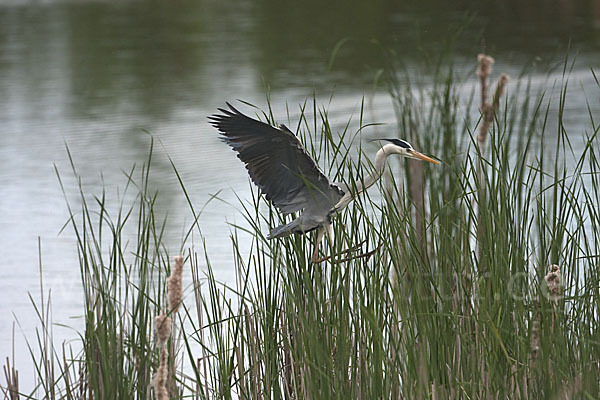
279,165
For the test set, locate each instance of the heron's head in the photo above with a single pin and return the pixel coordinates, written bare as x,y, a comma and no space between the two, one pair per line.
403,148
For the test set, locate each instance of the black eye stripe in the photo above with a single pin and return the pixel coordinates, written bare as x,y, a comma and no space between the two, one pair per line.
399,142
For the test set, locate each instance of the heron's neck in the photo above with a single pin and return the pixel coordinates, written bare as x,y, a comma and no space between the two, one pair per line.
369,181
374,176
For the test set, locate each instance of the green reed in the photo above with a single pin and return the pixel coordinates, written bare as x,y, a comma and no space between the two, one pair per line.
453,301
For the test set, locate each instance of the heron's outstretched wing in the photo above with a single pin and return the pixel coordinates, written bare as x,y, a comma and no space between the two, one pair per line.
277,163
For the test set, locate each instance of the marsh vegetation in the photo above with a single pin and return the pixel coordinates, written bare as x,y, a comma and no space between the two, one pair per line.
483,280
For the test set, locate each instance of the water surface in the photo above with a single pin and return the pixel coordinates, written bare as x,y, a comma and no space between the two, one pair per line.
99,76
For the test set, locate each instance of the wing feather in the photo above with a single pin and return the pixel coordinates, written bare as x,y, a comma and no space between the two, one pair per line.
277,163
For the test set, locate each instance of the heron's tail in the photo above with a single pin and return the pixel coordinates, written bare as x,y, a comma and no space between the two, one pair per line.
284,230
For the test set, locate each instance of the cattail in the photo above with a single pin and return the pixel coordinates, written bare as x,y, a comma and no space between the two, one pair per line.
162,324
485,66
160,378
484,69
535,341
502,81
552,279
174,290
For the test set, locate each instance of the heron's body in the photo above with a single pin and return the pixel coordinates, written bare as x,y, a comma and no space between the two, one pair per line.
279,165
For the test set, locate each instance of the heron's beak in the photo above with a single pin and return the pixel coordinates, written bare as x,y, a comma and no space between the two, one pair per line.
419,156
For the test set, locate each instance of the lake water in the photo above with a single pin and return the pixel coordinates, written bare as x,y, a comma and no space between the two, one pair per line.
98,75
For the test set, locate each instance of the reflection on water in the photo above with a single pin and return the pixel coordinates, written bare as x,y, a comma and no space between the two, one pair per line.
97,74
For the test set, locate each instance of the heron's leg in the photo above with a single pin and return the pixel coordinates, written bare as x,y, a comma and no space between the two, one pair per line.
367,255
315,255
325,229
329,230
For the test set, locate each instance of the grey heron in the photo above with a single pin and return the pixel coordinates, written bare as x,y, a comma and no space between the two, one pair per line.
280,166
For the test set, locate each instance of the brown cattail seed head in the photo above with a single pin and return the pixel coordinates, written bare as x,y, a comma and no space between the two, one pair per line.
485,66
535,340
160,378
174,289
162,324
552,279
502,81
